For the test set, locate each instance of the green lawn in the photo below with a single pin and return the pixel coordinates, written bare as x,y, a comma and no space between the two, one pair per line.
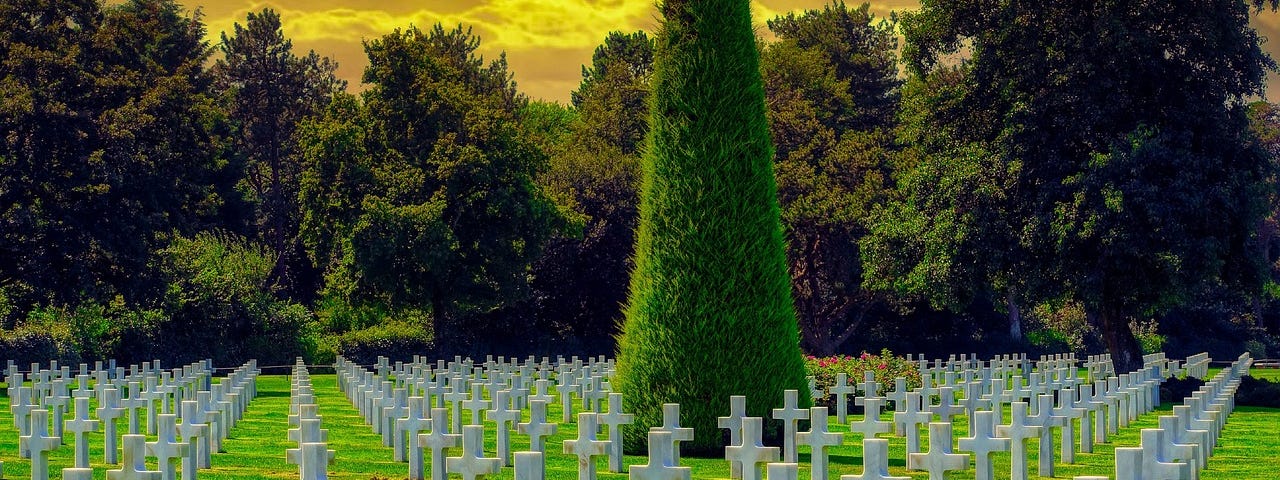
257,444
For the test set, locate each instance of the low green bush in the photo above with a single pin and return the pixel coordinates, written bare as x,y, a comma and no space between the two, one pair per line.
886,366
1258,392
45,335
398,339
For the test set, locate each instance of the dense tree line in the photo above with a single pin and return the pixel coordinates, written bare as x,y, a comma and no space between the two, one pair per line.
1040,175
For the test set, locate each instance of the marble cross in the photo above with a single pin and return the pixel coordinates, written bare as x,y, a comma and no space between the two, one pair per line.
790,414
614,421
438,440
983,444
586,447
751,453
662,464
819,440
939,459
733,423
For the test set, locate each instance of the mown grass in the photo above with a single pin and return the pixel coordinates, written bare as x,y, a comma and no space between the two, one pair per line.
257,444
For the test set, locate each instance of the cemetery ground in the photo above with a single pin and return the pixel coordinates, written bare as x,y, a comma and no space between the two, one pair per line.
1247,449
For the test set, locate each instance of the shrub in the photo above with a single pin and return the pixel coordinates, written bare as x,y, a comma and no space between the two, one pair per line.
1258,392
394,339
1174,390
886,366
709,313
45,335
222,304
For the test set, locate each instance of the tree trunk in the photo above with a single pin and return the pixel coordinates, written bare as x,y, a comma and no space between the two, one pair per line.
1015,315
1126,354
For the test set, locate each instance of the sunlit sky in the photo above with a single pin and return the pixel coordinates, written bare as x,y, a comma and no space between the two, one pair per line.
546,41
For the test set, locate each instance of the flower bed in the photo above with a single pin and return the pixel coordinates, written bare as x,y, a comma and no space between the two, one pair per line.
886,366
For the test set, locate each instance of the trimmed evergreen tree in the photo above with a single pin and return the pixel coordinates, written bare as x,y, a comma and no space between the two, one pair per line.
710,312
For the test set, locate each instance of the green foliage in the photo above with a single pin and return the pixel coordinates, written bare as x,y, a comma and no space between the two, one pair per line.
1148,339
593,174
268,90
397,339
1258,392
222,307
710,312
886,365
1073,162
831,88
113,141
423,197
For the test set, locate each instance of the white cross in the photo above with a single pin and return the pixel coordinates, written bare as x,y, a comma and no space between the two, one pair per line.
870,388
195,433
38,443
1156,466
614,420
109,412
79,425
455,396
415,422
586,447
909,421
751,453
537,427
1069,411
671,423
939,459
312,459
167,448
819,440
875,461
438,440
1180,451
58,400
946,409
790,414
733,423
871,425
662,464
472,464
1021,428
132,404
1047,422
476,403
983,444
134,466
566,387
841,390
22,409
506,418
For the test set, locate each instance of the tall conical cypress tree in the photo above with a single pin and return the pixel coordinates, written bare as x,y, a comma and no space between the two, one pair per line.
710,312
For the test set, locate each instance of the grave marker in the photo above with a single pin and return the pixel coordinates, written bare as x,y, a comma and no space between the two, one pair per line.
662,464
983,443
751,453
438,440
790,414
614,420
819,440
939,459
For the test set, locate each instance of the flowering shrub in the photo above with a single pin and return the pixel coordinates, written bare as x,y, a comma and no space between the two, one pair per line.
886,366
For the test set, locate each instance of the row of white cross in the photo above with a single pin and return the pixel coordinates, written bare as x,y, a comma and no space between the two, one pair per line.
207,413
312,455
1115,402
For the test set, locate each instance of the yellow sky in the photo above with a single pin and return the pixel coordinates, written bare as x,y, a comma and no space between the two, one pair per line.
546,41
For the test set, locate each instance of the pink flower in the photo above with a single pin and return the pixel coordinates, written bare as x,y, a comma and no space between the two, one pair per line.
865,356
883,366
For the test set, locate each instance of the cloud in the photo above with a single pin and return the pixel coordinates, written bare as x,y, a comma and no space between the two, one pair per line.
546,41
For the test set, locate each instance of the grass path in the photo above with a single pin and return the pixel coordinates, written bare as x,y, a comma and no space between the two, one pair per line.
256,446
